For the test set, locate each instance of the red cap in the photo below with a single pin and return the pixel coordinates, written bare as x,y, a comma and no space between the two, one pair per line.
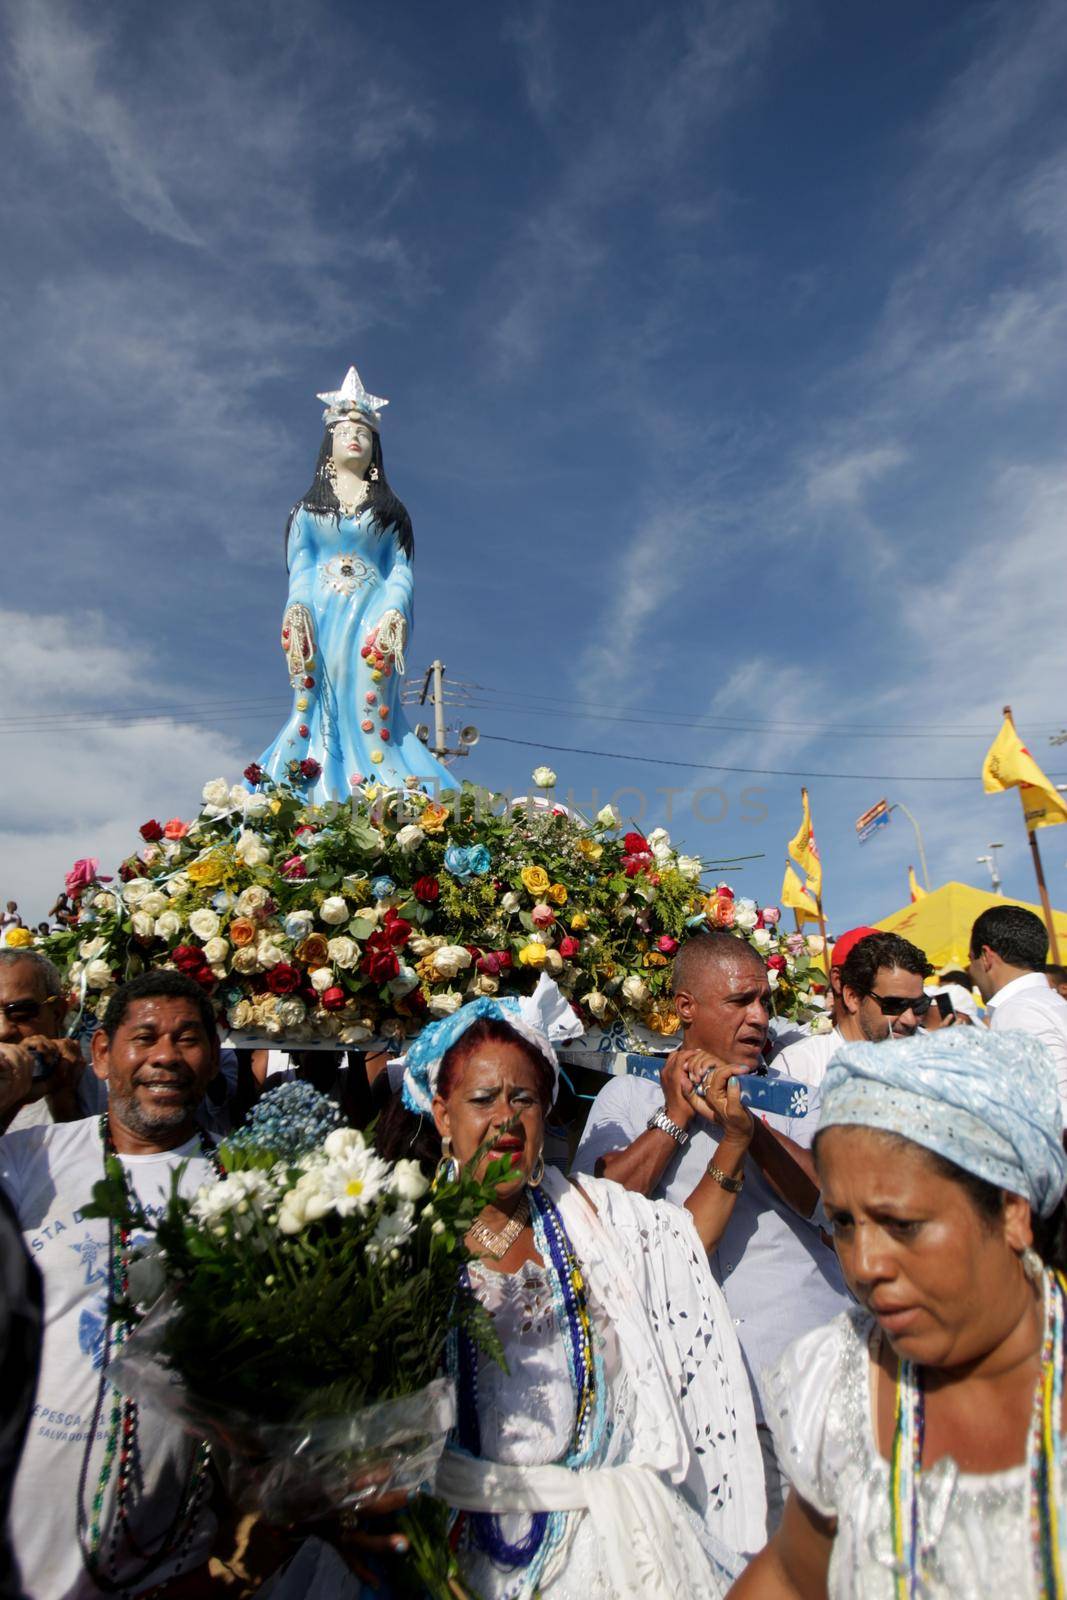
844,946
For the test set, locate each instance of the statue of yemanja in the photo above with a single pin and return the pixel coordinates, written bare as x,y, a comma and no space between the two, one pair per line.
347,622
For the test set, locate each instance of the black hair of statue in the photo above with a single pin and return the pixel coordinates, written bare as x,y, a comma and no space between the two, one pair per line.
390,513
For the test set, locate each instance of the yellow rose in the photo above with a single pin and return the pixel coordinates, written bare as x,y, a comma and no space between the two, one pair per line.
660,1018
655,959
377,757
19,939
312,951
558,894
433,819
590,849
532,955
535,881
207,872
579,921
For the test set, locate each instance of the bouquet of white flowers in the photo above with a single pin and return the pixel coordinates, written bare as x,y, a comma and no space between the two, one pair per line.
299,1306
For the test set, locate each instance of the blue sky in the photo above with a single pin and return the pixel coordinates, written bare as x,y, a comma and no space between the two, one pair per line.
724,344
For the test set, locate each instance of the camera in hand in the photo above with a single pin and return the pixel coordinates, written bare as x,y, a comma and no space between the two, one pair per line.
42,1066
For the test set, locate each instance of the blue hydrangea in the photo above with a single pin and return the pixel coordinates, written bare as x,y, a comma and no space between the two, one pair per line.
287,1122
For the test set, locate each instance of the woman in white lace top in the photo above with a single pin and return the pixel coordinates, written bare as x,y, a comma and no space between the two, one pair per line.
924,1433
616,1457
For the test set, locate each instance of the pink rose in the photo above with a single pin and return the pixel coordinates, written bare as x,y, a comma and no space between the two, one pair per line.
542,916
81,875
175,828
771,916
294,868
666,945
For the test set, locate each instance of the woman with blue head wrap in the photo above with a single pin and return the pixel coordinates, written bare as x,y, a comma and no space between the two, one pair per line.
615,1458
923,1432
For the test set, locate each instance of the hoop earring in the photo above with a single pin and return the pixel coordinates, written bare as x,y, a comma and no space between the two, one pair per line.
1032,1265
372,475
446,1167
537,1173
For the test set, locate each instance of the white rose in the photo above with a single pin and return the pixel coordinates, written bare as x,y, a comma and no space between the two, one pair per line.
597,1003
689,867
343,951
154,903
485,983
354,1033
606,817
544,777
408,1180
553,963
238,797
821,1024
245,961
420,944
444,1004
178,884
142,924
168,926
369,914
761,938
215,951
322,978
409,838
510,903
659,842
91,947
251,850
216,793
135,891
334,910
450,959
268,954
635,990
746,915
256,805
291,1012
251,900
105,903
241,1015
171,849
773,977
98,974
204,923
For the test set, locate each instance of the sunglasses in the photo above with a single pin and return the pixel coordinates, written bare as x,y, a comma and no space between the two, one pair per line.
895,1005
24,1010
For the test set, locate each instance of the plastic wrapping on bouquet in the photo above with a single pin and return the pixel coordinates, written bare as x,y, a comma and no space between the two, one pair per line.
293,1472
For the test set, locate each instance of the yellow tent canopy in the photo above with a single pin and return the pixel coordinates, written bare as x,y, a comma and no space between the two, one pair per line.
940,923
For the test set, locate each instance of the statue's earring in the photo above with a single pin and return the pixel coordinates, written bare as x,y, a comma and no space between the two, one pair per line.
373,475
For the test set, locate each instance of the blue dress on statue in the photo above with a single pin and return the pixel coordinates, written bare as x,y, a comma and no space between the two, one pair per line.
348,576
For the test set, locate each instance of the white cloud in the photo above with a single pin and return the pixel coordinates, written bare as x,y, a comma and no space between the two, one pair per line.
842,482
83,787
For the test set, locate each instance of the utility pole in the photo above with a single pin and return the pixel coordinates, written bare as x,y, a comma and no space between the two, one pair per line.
440,744
896,806
990,861
468,735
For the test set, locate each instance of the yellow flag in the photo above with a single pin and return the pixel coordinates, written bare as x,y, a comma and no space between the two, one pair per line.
915,888
794,896
1009,765
805,851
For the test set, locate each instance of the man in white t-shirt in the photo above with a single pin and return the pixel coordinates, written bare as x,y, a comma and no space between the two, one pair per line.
46,1067
1009,947
158,1049
880,996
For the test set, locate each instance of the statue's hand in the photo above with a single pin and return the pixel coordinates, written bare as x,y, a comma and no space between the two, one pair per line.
298,639
391,635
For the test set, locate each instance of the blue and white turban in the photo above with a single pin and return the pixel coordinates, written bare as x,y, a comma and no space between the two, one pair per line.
543,1018
987,1101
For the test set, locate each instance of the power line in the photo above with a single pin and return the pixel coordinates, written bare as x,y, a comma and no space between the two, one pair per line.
708,766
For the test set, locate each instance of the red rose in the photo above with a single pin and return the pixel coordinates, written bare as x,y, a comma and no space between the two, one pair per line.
204,977
380,961
254,772
310,769
303,827
187,957
776,963
334,999
504,957
569,947
426,890
294,868
634,864
666,945
303,730
724,891
151,831
126,872
284,978
635,844
396,930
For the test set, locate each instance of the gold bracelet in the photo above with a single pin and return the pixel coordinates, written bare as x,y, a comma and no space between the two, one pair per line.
731,1185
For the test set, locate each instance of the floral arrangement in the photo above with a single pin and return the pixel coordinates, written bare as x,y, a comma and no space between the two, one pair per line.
356,922
298,1309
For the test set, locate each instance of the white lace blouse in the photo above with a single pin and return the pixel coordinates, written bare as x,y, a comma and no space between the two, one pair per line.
974,1530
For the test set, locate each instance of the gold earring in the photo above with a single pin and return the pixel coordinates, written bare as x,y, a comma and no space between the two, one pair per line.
446,1166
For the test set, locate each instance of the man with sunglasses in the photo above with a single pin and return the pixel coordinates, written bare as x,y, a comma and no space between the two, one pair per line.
39,1070
882,993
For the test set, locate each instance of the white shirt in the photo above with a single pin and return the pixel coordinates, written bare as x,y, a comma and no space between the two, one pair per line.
48,1173
1030,1005
778,1277
808,1059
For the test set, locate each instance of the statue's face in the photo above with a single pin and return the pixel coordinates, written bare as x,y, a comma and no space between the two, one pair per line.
353,443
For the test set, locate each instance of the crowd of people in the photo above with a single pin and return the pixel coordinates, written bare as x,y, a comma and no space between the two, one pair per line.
803,1355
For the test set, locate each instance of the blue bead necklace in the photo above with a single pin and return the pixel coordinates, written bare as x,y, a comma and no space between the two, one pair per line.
531,1553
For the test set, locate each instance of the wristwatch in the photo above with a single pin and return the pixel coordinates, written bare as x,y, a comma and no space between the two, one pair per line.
661,1120
731,1185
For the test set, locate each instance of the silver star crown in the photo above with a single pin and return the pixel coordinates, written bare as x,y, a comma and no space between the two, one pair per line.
352,396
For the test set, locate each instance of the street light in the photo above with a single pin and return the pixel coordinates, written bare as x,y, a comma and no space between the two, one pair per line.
990,861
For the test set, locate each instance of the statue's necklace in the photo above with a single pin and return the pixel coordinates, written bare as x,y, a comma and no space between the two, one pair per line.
348,508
